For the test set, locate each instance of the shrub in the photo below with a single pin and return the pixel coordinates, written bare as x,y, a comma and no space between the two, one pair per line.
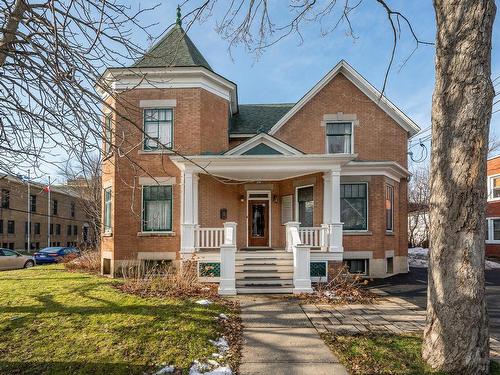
88,261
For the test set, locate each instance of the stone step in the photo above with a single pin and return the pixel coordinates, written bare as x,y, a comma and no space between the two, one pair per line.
264,290
263,255
265,268
264,281
264,261
264,275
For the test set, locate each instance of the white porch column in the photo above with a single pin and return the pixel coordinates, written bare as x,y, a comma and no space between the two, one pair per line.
227,282
189,210
288,234
331,211
301,269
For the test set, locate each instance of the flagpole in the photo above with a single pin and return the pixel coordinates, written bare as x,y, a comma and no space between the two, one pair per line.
48,215
29,213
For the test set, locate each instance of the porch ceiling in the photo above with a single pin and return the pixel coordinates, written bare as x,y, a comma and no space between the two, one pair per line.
262,167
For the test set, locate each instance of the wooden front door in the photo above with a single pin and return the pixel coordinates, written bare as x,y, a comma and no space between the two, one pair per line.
258,223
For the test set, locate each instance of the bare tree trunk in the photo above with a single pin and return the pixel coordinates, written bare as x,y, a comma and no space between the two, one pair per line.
11,27
456,335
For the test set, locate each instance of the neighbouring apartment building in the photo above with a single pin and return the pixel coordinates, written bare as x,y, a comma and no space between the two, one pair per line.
68,223
266,197
493,208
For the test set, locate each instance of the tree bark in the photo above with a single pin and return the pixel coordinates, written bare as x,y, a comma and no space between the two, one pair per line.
11,27
456,335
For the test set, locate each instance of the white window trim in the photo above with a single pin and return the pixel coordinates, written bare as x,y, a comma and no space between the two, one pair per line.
269,196
296,213
108,230
390,231
171,231
320,279
367,265
489,233
326,122
490,188
161,150
367,208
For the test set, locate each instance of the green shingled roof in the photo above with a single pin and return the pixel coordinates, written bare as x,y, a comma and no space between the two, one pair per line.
174,49
257,118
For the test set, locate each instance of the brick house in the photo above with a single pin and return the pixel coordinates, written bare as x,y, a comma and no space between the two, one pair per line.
68,226
493,208
267,197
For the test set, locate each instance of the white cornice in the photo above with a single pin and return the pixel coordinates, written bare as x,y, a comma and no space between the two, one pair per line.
389,169
267,140
361,83
169,77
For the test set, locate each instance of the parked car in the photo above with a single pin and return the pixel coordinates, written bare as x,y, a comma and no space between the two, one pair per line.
55,254
11,260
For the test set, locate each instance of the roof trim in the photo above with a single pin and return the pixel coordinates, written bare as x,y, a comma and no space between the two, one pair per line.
266,139
361,83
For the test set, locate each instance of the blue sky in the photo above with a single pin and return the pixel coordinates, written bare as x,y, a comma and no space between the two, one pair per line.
287,70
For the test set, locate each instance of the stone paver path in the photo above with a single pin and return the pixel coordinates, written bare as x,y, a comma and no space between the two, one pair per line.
279,339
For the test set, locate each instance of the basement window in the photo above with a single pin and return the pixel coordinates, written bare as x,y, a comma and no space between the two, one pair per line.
357,266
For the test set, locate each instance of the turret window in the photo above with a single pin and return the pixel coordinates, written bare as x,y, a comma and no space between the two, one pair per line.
158,129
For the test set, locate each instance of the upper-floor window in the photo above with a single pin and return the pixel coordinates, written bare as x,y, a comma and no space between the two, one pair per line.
1,226
157,208
58,229
72,209
11,227
158,128
33,203
354,206
107,211
107,135
493,226
5,198
389,208
68,230
54,207
339,137
37,228
494,187
75,230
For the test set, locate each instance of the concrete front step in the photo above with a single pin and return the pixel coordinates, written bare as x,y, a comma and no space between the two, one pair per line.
264,290
263,274
263,282
264,255
264,261
264,268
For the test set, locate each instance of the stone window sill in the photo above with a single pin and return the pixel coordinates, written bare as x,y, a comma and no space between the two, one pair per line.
390,233
363,233
156,234
107,234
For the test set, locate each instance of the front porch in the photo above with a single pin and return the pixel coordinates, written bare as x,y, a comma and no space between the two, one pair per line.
282,226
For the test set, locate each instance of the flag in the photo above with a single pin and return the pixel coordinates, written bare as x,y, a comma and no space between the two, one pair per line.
46,189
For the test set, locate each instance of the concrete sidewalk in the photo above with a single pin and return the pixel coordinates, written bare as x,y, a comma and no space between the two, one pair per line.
279,339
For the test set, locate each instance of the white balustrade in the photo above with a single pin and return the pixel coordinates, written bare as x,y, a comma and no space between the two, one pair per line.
301,261
208,238
314,236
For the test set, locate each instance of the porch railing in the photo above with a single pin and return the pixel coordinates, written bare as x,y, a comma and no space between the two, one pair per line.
314,236
208,238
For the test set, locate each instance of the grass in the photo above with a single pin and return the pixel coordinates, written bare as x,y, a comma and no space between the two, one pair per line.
384,354
57,322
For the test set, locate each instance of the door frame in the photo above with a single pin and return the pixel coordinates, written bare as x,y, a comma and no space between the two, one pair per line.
268,192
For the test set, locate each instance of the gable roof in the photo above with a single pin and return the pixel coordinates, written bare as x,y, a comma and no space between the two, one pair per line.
263,142
174,49
256,118
361,83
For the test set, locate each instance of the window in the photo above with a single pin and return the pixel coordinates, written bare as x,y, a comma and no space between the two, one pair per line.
37,228
107,211
51,231
11,227
339,137
157,128
493,226
1,226
389,208
286,209
354,206
318,271
58,229
107,135
359,266
33,203
494,187
11,245
26,227
390,265
305,206
9,253
72,209
68,230
157,208
54,207
75,230
5,198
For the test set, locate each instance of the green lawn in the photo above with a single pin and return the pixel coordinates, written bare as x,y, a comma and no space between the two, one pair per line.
383,354
58,322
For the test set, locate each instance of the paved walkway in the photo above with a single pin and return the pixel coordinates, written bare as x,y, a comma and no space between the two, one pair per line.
279,339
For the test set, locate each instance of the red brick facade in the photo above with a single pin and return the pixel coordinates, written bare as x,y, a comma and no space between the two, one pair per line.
201,121
493,208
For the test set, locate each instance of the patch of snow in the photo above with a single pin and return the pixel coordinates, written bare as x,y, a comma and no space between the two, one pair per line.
223,316
204,302
223,370
221,344
165,370
419,257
